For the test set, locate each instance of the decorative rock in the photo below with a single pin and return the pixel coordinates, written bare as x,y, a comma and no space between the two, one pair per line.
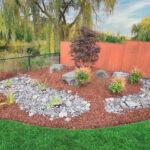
55,67
35,96
101,74
62,114
67,119
69,78
120,75
124,106
68,103
69,91
131,104
31,114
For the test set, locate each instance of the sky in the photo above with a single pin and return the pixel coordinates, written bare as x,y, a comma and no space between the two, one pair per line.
126,13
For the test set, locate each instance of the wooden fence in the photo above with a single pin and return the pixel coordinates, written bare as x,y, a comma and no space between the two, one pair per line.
116,57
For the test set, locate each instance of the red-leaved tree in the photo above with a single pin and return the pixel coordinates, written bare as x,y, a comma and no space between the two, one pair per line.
84,49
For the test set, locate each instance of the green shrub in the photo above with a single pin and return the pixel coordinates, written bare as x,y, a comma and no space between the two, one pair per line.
135,76
117,85
82,75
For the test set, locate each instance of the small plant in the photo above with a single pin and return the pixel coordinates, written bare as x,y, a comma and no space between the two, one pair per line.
83,75
8,83
56,101
10,99
135,76
117,85
43,86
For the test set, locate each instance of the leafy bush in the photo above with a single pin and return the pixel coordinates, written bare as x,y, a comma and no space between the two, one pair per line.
110,38
135,76
117,85
84,49
82,75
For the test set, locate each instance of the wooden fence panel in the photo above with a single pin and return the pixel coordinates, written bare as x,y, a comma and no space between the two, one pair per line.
116,57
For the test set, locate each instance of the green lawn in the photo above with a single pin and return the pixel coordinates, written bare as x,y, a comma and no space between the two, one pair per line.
19,136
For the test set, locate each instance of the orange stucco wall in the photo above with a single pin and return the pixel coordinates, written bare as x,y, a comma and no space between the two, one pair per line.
116,57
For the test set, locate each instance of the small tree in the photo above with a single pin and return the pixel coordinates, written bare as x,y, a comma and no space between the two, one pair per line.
84,49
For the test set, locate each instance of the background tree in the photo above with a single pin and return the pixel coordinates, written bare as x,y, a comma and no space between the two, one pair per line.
141,31
29,20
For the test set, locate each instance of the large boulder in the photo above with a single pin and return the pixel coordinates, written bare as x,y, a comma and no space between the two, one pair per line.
101,74
55,67
69,78
120,75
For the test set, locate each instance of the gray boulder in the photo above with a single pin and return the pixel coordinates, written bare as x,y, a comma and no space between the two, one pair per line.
55,67
101,74
120,75
69,78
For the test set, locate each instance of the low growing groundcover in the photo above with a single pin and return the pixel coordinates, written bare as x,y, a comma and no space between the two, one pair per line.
19,136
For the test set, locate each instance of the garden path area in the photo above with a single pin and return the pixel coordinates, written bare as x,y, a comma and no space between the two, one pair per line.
94,92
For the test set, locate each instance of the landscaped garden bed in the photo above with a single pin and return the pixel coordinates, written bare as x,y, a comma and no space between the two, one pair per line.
94,93
76,97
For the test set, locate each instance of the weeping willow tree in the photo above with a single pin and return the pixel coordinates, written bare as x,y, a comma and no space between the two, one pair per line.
141,31
60,19
10,17
14,21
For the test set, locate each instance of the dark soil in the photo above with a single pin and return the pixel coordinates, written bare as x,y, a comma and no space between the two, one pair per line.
96,91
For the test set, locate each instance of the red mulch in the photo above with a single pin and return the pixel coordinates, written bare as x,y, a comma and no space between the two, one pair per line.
95,92
2,98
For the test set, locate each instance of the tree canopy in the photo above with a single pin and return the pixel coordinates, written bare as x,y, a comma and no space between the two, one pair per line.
141,31
46,19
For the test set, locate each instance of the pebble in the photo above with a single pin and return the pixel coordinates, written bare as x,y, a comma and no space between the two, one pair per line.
67,119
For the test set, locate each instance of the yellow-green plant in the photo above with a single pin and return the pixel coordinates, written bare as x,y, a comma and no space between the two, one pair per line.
43,86
56,101
135,76
8,83
10,99
117,85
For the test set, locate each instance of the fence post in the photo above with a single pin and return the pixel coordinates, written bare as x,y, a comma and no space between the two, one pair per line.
59,57
29,64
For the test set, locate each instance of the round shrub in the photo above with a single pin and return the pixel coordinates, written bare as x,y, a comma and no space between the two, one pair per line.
136,76
117,85
82,75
